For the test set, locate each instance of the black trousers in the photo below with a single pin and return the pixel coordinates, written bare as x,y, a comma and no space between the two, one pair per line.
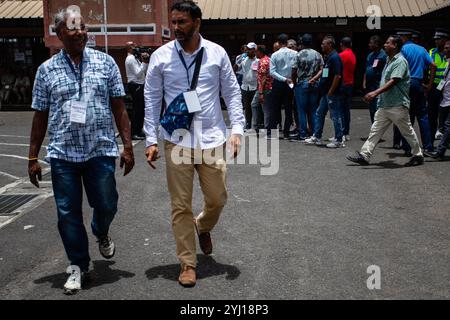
137,96
281,95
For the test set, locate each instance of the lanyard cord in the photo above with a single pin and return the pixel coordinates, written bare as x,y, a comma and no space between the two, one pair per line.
185,65
72,68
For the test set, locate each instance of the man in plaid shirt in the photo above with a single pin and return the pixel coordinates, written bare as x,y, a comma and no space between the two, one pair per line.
76,94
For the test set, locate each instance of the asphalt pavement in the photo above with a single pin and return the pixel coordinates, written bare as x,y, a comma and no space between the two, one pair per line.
309,232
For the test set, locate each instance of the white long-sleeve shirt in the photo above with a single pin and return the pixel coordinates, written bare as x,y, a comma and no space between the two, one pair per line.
135,70
167,78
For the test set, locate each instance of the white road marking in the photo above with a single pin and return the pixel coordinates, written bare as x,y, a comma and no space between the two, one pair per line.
19,157
16,144
9,175
28,227
10,136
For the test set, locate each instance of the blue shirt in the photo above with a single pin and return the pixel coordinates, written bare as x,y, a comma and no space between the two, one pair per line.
281,64
373,74
335,67
418,59
57,85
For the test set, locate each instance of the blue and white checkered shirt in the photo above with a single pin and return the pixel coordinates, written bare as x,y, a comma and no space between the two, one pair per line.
57,85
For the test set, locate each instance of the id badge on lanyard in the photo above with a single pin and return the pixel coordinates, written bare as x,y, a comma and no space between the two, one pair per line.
78,108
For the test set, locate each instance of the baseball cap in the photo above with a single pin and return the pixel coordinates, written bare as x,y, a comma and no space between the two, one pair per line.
251,45
441,33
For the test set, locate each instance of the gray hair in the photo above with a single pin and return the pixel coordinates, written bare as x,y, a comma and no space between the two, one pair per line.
60,19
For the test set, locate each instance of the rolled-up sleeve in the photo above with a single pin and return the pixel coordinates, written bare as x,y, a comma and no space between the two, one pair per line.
231,93
153,94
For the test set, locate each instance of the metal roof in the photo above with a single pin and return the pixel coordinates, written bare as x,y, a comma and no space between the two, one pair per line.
286,9
267,9
10,9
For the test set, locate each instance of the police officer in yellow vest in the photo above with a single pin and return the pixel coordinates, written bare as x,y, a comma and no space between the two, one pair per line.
435,96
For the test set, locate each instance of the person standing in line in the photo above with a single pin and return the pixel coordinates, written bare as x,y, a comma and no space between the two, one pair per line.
264,86
393,104
201,147
306,72
249,69
282,93
238,61
445,110
136,65
435,96
76,95
349,62
374,68
330,90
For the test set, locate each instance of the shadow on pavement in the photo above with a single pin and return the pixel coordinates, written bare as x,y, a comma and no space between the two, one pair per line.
100,275
206,267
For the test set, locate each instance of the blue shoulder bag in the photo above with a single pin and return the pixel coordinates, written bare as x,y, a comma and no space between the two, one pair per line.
177,115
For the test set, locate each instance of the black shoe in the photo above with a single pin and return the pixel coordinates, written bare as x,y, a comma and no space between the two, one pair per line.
106,247
415,161
137,137
434,155
396,147
408,154
358,158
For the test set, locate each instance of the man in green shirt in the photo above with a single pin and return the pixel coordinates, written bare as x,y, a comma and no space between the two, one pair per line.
393,105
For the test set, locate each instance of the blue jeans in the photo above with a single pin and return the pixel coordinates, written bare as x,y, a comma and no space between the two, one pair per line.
333,103
418,109
68,178
307,97
347,96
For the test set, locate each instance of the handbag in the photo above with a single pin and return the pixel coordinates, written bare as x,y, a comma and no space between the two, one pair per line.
177,115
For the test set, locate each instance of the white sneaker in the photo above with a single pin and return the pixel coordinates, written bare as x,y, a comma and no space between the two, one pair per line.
73,283
438,135
335,145
313,140
346,138
106,247
332,139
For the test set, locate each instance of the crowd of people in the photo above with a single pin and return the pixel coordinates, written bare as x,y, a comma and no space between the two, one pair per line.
78,98
15,86
306,84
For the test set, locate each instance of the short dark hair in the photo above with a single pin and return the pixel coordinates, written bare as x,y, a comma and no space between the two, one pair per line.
397,41
377,40
331,40
262,49
188,6
347,42
283,39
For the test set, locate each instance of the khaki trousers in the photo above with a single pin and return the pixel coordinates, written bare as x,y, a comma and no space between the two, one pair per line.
210,165
384,117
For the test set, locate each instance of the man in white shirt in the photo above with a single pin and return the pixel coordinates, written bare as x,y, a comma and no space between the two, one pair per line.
136,65
249,68
202,147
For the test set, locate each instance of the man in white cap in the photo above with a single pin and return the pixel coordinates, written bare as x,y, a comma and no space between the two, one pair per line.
249,68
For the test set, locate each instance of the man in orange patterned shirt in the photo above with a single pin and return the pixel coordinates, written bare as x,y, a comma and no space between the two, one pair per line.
264,84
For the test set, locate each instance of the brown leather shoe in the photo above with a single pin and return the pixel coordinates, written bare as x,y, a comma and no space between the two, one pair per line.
188,277
204,239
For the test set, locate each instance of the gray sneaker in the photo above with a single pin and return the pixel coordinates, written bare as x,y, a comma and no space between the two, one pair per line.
335,145
106,247
73,283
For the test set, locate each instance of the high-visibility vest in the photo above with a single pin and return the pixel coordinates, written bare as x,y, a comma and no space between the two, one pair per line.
441,63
